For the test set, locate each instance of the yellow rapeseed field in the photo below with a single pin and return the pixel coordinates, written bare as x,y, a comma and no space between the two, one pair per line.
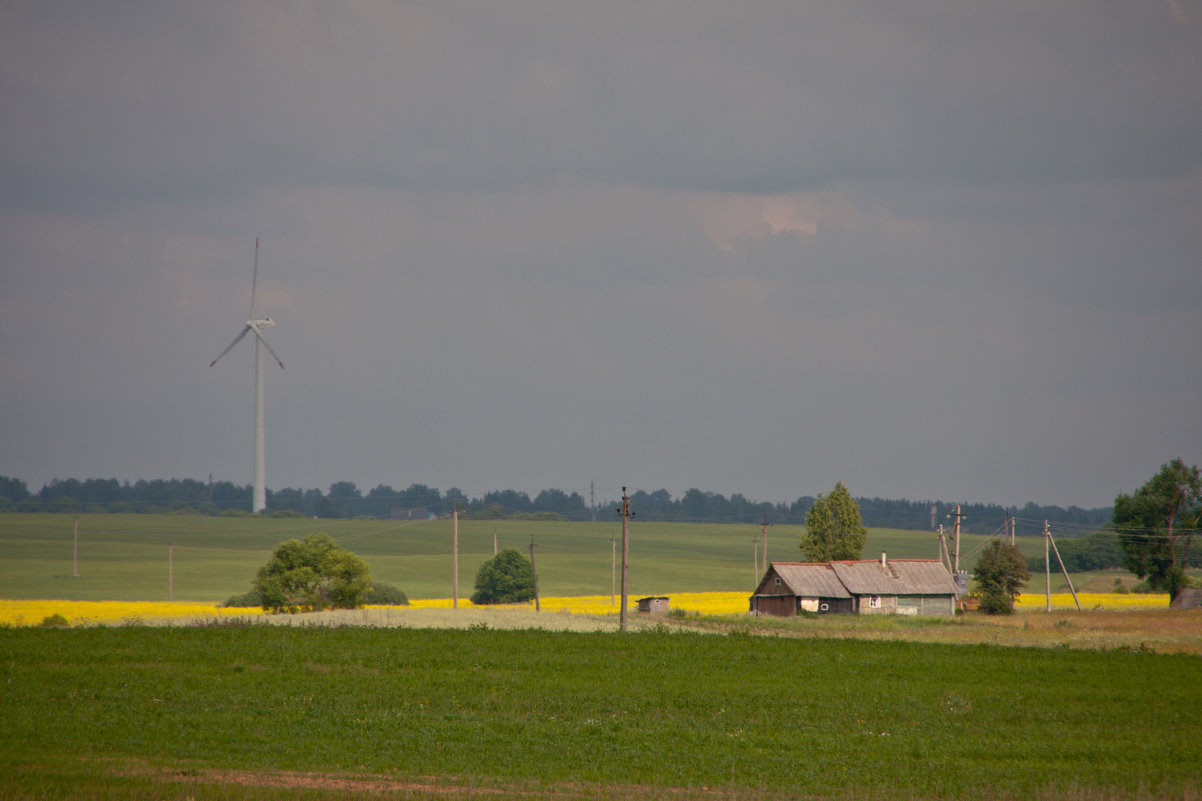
82,613
1093,600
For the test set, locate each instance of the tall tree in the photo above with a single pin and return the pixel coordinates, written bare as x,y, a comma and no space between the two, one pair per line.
833,527
1157,523
1000,574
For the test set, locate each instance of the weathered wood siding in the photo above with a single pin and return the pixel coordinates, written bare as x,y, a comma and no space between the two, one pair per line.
779,605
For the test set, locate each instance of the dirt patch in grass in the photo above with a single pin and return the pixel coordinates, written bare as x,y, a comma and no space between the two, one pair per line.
418,788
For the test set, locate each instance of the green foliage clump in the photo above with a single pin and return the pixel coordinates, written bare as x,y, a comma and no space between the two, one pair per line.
55,621
382,594
252,598
1156,525
1000,574
283,513
833,527
312,574
507,578
543,516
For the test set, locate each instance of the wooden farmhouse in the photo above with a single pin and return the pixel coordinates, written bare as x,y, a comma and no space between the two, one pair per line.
865,587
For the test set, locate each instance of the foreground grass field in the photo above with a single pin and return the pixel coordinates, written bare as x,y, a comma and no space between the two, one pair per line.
225,712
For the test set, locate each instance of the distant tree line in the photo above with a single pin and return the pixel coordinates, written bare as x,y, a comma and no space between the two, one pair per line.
345,500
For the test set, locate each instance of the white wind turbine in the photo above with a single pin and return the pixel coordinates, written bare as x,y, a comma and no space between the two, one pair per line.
259,503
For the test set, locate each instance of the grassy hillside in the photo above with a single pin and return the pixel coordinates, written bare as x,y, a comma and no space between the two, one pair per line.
125,557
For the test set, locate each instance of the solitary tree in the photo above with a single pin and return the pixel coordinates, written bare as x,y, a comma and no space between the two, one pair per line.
311,574
833,527
1149,523
1000,574
507,578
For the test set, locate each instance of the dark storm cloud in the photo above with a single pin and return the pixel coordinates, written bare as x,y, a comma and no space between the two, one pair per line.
920,246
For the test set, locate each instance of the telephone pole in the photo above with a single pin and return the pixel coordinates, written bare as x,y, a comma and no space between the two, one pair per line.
534,571
956,536
625,512
1064,570
1047,566
764,528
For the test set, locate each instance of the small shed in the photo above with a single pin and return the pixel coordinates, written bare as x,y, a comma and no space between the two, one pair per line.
656,605
1187,598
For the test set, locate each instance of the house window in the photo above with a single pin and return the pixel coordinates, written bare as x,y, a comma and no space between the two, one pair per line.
874,602
778,581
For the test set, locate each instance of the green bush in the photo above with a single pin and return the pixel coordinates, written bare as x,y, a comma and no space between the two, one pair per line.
312,574
252,598
996,602
55,621
382,594
507,578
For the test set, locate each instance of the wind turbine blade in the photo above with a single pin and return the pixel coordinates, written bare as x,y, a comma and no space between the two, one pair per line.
254,279
230,347
263,339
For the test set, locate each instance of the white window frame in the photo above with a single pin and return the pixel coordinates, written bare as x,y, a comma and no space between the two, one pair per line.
874,602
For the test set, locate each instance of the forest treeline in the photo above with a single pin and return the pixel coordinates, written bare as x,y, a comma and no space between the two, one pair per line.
345,500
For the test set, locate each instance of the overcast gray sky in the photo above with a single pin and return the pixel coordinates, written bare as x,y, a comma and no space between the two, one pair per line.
936,250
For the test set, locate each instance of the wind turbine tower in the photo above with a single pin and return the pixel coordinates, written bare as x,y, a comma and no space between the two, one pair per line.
259,502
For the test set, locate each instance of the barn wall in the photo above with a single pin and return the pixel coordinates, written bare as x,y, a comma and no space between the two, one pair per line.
888,605
779,605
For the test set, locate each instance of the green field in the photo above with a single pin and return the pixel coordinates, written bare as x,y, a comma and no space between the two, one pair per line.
767,709
125,557
219,712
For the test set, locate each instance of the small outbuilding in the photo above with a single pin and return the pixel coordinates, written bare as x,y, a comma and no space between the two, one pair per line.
1187,598
866,587
657,605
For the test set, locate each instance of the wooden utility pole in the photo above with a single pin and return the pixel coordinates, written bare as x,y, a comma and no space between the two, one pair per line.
625,558
494,542
943,554
755,557
171,571
1047,566
534,572
956,537
764,528
75,558
455,561
1052,540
